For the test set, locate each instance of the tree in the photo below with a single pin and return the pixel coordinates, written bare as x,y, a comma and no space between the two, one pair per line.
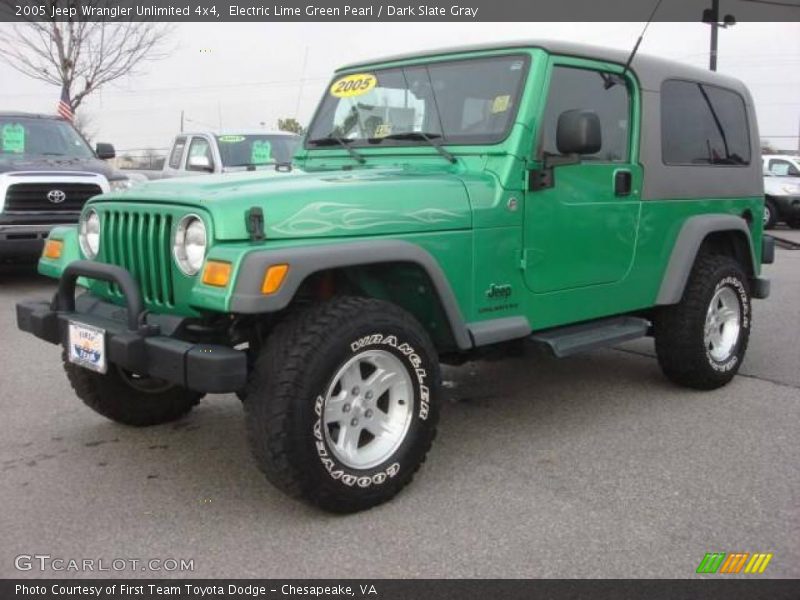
80,56
767,147
292,125
85,124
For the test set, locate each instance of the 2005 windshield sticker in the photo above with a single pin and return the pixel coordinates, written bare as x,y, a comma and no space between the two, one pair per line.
501,104
353,85
12,138
261,152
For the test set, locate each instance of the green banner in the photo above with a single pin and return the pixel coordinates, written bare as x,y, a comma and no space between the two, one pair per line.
261,152
12,139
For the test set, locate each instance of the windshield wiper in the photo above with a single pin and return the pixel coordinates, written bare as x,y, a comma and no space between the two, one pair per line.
432,138
332,140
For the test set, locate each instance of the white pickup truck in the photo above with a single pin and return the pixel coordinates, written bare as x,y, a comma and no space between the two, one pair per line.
781,190
211,152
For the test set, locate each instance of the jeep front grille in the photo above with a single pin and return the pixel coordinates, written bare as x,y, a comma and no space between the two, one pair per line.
140,242
49,197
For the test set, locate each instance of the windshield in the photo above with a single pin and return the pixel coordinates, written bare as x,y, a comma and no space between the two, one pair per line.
24,137
254,150
460,102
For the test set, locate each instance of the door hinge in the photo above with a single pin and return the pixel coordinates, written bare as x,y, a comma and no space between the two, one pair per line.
523,260
540,179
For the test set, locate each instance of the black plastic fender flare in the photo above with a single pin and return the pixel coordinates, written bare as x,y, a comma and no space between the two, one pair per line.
691,236
303,262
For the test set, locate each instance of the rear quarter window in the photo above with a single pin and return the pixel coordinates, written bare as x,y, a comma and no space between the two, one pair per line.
703,125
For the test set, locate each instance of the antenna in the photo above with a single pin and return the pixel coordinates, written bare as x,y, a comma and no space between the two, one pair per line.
610,82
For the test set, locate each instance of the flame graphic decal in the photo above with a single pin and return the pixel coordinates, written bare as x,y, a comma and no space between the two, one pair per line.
324,217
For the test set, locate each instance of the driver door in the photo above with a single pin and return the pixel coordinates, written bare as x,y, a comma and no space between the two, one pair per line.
581,230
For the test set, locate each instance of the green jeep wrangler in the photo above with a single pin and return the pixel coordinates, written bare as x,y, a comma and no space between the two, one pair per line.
443,206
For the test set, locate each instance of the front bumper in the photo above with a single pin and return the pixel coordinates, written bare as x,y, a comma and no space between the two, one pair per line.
135,340
788,206
18,241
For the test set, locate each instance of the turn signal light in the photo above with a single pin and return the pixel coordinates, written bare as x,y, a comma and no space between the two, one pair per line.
273,278
52,248
217,273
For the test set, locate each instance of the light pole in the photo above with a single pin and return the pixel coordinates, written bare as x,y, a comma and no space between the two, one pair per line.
711,16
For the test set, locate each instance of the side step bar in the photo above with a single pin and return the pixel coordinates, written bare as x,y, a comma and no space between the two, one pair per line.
572,339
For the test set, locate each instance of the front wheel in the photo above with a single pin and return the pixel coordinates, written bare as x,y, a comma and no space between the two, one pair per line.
341,405
701,341
128,398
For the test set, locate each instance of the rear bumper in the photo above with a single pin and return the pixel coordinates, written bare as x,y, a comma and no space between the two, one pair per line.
135,340
759,288
767,249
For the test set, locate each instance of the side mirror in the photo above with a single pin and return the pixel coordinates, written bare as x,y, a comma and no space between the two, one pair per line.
104,151
578,132
199,163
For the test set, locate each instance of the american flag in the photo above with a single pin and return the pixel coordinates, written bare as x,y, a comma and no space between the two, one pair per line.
64,105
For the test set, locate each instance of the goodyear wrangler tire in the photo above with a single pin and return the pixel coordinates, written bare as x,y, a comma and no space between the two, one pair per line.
128,399
701,341
341,404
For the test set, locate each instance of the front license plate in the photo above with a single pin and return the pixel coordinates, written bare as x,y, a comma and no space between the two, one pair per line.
87,346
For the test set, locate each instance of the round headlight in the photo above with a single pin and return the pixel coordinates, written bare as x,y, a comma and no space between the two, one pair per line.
190,244
89,234
117,185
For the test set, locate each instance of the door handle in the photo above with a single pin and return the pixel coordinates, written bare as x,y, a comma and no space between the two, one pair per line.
623,180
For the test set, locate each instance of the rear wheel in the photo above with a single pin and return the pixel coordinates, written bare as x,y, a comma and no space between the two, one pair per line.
701,341
128,398
341,405
770,214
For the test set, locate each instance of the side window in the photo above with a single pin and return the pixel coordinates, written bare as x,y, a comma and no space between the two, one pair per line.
177,153
783,167
703,125
572,88
199,148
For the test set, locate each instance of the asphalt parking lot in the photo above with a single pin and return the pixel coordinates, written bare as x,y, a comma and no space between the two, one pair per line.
593,466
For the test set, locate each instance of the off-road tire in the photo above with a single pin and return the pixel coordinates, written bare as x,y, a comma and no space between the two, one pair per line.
770,214
679,329
285,395
111,396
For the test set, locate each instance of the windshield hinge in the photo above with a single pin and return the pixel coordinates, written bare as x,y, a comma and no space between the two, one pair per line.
254,221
